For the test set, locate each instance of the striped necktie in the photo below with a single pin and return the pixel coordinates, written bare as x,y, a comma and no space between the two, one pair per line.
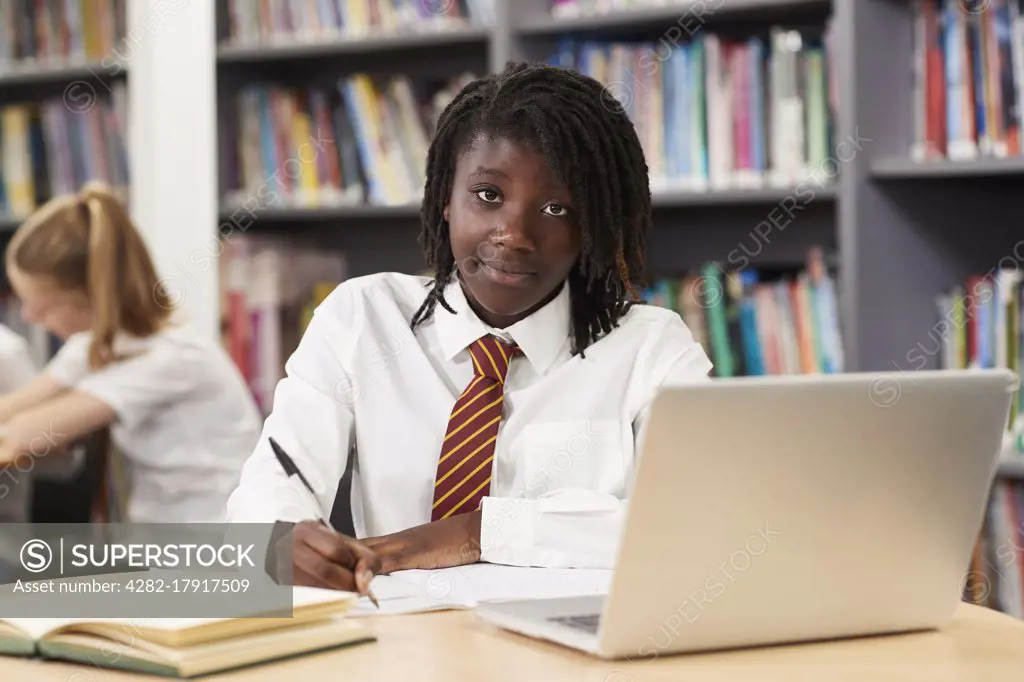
464,469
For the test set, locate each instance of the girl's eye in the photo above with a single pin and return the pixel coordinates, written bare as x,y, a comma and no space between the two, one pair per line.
556,210
488,195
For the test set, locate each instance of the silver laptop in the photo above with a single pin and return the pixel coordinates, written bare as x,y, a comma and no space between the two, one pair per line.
787,509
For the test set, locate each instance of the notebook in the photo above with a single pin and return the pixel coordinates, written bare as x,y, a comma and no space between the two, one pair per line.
189,647
466,587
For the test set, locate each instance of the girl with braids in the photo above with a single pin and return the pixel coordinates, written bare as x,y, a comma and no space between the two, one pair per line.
489,412
178,411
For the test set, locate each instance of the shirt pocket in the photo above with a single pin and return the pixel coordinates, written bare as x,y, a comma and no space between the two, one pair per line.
586,454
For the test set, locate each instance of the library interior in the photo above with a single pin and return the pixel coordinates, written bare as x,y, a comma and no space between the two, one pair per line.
259,255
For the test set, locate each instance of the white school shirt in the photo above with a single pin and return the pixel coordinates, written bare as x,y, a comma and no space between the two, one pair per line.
565,450
186,420
16,369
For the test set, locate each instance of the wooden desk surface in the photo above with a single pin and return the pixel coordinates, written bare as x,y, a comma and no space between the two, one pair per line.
980,645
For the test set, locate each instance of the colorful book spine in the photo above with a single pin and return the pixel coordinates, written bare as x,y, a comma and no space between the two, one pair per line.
47,149
756,321
719,113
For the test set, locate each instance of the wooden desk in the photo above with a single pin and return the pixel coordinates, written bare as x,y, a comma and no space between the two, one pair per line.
979,646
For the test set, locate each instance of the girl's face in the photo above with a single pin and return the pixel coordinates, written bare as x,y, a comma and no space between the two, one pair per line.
59,311
514,229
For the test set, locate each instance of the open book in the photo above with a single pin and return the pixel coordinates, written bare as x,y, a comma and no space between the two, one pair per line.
466,587
188,647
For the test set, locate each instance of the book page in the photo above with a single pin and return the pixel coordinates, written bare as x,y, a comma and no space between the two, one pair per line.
464,587
37,627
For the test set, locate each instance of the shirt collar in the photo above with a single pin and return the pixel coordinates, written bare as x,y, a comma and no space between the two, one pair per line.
541,336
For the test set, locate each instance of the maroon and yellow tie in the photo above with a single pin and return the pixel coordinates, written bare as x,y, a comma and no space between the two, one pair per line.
464,469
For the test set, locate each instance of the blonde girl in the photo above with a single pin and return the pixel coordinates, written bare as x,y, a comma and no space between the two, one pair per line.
177,408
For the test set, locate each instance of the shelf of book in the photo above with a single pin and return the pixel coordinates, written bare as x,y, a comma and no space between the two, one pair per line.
61,41
34,73
288,47
63,101
717,166
55,144
334,213
735,197
660,200
688,15
902,168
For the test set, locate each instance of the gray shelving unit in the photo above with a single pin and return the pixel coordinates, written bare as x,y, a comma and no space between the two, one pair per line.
690,227
58,72
537,21
30,82
59,501
372,44
903,168
1012,468
901,232
76,82
907,231
351,216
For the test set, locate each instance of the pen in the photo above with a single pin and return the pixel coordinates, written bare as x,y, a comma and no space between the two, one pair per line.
288,464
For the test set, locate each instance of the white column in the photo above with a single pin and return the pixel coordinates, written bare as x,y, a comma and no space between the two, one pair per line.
173,146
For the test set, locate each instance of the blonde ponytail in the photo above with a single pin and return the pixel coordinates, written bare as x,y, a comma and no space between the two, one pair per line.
103,276
87,243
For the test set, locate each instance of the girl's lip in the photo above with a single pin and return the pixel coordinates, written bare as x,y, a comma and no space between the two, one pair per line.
509,269
506,277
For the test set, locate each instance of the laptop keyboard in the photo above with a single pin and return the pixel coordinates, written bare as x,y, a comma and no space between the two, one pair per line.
586,623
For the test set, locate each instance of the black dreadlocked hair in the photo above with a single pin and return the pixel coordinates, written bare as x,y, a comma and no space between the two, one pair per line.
590,144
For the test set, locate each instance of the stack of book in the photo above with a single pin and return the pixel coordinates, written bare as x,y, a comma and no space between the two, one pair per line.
304,20
968,70
56,32
269,288
185,648
365,142
751,326
717,113
51,148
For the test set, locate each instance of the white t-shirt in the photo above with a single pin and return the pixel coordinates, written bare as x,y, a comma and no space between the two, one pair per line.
186,421
16,370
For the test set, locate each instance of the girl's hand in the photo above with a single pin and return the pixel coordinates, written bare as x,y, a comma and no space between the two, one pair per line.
323,557
454,541
11,455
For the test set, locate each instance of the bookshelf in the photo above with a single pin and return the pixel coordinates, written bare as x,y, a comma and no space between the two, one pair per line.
903,168
62,113
1012,469
537,20
33,73
339,216
930,212
63,77
897,233
514,30
891,229
403,42
306,56
63,82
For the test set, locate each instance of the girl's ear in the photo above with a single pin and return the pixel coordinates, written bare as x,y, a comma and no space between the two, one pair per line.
445,212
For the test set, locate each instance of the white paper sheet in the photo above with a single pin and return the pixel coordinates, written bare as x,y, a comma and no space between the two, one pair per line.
465,587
